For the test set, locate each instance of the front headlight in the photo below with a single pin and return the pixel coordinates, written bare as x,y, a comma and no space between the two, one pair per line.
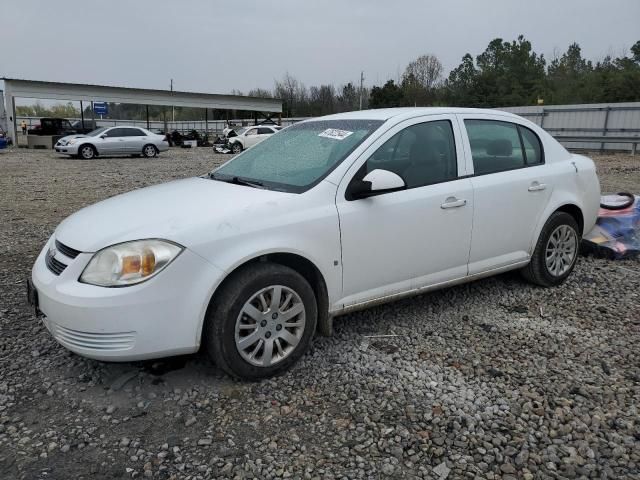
129,263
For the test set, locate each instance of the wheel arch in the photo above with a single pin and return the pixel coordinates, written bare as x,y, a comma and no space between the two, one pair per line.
575,211
568,206
300,264
89,144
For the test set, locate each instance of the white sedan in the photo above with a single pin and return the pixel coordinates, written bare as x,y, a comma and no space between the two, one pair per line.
250,136
111,141
331,215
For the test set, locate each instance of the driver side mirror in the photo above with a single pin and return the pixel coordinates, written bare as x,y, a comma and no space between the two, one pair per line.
376,182
103,136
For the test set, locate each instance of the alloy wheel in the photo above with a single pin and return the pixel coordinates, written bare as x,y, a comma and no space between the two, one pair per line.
87,153
561,250
270,325
149,151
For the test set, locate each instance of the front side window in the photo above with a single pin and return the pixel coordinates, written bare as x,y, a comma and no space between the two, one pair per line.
299,156
253,131
116,132
265,131
422,154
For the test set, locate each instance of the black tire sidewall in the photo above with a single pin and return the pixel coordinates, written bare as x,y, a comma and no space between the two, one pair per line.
556,220
236,148
220,329
144,151
82,147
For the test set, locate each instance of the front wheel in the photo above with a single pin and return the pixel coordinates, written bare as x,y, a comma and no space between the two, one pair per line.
87,152
556,252
236,148
261,322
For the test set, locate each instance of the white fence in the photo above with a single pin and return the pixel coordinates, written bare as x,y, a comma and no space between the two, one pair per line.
587,120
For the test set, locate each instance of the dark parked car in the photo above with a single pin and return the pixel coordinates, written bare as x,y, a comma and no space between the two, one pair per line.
89,126
53,126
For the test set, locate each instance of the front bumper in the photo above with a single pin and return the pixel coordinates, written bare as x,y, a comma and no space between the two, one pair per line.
160,317
66,149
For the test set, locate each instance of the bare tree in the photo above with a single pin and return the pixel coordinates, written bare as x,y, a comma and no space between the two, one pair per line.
426,70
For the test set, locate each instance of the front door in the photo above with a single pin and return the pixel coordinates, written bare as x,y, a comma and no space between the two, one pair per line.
112,143
408,239
251,137
512,186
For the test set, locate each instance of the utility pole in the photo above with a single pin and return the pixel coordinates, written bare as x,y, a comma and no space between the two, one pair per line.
173,113
361,87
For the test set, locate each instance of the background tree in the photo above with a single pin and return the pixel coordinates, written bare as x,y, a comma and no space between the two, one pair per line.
389,95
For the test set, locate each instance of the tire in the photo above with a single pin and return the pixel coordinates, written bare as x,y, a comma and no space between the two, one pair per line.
87,152
228,322
236,148
556,252
149,151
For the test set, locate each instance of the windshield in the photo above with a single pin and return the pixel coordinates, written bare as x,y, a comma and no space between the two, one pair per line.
299,156
96,132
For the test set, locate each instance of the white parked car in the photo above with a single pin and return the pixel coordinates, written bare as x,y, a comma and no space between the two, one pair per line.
250,136
108,141
331,215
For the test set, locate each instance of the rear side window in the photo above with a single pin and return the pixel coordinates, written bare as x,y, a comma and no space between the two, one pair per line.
263,131
533,152
495,146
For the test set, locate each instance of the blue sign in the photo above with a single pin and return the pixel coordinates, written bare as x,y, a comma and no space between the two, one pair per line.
100,108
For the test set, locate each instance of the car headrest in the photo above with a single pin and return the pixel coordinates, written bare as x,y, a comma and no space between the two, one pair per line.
500,148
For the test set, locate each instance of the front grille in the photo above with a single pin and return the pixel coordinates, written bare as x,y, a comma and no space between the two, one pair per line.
92,341
56,266
67,251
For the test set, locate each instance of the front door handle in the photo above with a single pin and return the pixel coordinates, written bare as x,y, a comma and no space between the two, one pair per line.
537,186
453,202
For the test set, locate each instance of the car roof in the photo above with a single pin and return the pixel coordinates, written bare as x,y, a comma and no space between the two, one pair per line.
408,112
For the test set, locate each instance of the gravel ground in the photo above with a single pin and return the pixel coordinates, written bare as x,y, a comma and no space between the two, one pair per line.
494,379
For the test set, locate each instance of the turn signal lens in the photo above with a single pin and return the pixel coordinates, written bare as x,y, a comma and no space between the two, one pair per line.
148,263
129,263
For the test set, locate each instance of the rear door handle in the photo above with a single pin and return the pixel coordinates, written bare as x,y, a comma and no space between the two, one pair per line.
453,202
537,186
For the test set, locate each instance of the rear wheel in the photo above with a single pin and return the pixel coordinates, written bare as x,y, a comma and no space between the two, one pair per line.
87,152
149,151
556,252
261,322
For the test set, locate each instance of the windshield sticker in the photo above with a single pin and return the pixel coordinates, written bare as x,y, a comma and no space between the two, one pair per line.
335,133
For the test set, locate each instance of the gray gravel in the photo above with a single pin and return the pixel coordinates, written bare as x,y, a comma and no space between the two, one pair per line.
494,379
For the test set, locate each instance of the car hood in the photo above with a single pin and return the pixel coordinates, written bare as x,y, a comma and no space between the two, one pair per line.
75,135
184,211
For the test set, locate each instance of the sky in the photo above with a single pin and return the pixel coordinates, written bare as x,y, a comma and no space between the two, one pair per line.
219,46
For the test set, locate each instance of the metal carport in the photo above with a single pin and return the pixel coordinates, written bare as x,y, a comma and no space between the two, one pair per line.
82,92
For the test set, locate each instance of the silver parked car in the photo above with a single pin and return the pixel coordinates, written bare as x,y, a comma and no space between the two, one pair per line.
109,141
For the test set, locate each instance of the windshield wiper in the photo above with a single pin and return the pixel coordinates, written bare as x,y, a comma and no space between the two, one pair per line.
237,181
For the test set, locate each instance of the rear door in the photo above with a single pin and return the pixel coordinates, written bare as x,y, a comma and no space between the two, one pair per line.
511,187
264,133
135,139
